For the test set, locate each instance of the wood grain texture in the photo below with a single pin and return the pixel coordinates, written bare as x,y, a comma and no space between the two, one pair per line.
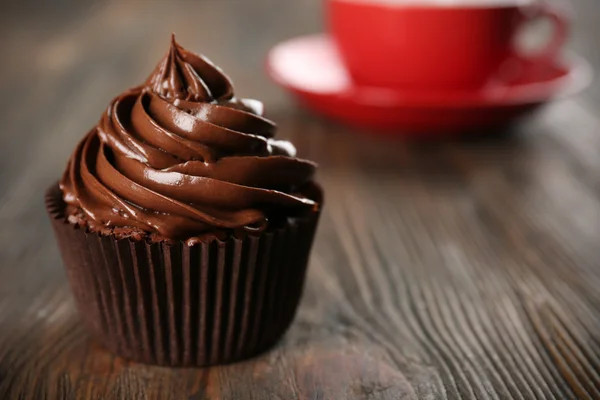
463,269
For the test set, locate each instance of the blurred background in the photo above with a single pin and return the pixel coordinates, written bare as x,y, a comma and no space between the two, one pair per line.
102,39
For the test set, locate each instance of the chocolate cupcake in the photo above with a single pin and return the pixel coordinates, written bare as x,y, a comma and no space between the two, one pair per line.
185,228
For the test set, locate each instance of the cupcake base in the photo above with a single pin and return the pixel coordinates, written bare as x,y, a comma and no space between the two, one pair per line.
177,305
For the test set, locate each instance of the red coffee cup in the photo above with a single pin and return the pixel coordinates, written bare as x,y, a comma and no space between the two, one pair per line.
436,44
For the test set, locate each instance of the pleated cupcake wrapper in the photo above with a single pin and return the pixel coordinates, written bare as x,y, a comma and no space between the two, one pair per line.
171,304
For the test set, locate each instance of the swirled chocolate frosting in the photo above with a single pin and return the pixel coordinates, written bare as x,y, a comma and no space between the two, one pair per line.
180,156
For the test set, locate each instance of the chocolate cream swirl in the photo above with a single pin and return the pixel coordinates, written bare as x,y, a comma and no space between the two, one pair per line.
180,156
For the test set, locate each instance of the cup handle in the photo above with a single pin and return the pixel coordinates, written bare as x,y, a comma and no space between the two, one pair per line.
559,18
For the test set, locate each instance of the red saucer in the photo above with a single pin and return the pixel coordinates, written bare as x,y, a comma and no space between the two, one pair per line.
311,69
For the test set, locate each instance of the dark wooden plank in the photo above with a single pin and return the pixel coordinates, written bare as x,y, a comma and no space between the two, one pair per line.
461,269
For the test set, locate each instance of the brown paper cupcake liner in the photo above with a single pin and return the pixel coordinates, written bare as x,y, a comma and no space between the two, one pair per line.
172,304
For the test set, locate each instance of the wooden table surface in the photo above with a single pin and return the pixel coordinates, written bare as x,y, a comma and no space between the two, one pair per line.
459,269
